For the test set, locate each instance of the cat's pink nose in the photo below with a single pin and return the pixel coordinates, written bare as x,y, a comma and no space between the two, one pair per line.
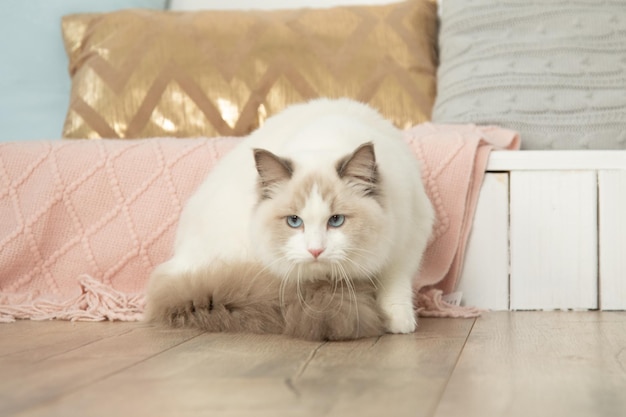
316,252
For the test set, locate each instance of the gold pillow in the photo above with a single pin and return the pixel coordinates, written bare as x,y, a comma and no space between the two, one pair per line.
143,73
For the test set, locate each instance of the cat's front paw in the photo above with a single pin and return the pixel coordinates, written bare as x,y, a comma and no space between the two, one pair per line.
400,318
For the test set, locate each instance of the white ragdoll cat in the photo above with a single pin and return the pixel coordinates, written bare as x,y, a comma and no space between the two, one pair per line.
324,189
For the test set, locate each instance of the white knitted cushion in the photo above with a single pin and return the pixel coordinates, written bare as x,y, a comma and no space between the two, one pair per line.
554,70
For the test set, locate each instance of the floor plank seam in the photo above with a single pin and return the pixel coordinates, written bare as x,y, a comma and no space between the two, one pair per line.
103,377
75,348
375,342
621,359
309,359
291,387
456,363
99,339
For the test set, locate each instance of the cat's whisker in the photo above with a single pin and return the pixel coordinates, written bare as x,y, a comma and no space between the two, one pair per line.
359,252
336,280
339,280
374,280
352,294
283,285
270,283
305,307
280,259
371,276
350,285
333,278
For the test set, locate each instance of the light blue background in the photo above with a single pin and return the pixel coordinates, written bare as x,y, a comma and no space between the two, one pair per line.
34,79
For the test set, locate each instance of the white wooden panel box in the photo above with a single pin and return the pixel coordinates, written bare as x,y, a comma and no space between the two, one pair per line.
612,239
485,278
549,233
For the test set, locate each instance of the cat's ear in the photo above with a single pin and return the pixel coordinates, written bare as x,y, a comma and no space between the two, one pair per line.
359,169
273,170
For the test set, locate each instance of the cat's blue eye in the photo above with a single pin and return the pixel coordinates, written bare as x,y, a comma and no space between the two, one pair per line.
336,220
294,221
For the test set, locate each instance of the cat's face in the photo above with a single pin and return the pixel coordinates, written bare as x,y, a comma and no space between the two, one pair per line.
322,223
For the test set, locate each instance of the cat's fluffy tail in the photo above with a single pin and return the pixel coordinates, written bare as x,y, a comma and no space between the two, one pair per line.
247,298
226,298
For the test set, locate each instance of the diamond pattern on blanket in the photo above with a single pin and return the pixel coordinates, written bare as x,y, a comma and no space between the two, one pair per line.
101,209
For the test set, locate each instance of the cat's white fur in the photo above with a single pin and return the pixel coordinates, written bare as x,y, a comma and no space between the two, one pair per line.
221,220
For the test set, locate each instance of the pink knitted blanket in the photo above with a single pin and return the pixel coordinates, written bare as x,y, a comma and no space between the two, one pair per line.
83,223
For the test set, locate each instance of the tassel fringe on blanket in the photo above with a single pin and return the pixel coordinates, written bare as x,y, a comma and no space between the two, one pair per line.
97,302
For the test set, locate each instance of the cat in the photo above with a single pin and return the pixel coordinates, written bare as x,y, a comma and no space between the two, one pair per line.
325,190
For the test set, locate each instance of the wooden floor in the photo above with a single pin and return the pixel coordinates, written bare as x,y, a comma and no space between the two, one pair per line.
502,364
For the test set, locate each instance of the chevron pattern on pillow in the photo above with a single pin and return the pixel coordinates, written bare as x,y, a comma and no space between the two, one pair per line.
139,73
